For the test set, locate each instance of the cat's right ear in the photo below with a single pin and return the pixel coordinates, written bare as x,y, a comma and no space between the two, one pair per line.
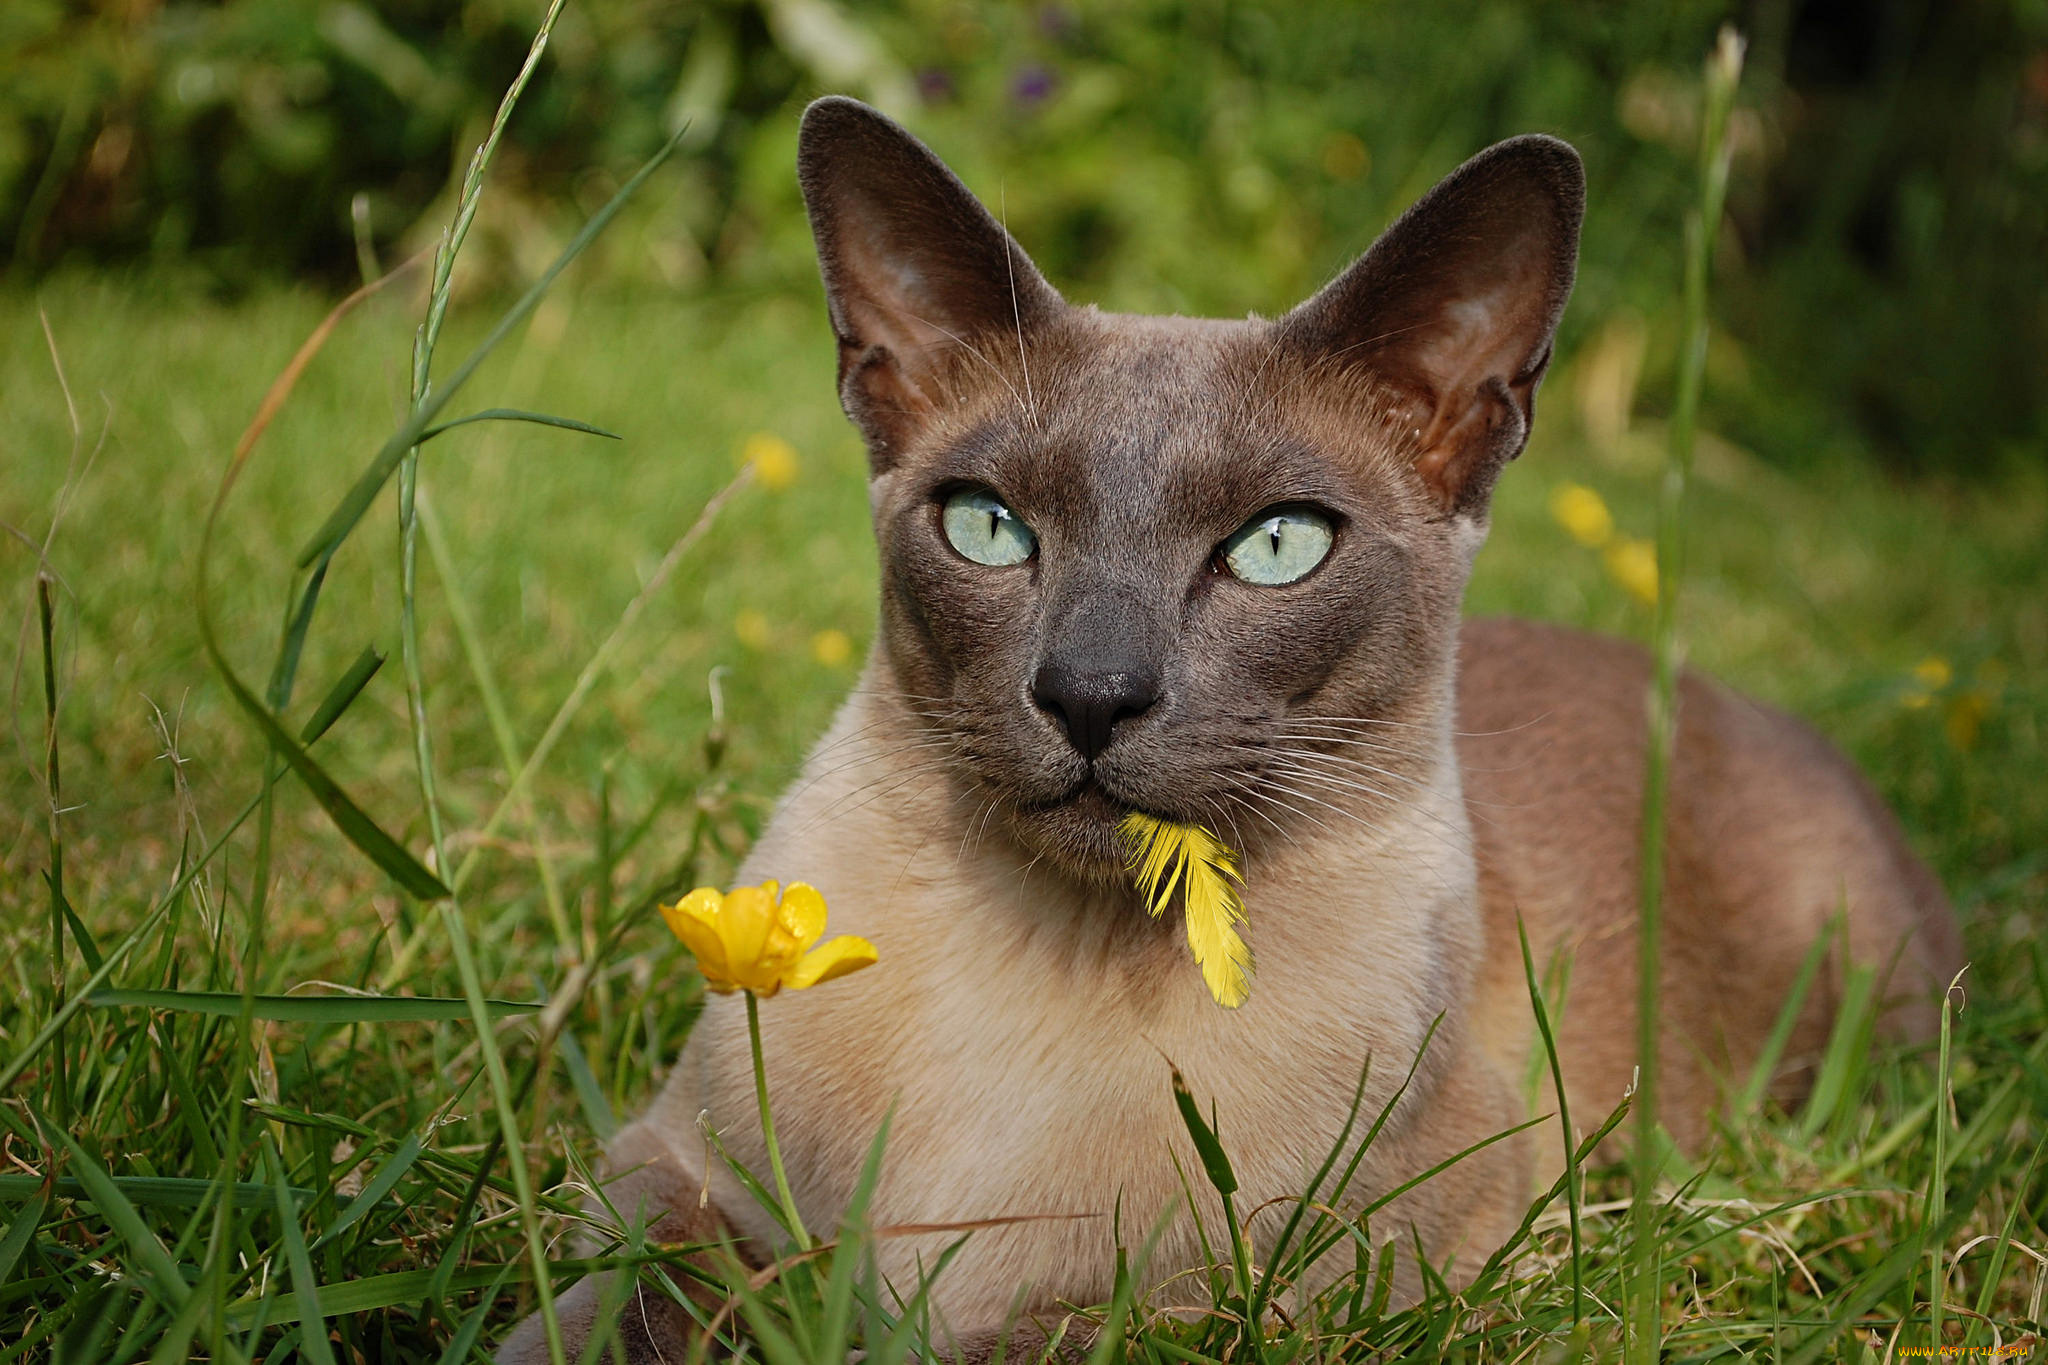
915,268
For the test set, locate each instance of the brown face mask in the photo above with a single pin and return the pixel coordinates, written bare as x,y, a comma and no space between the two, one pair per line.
1128,563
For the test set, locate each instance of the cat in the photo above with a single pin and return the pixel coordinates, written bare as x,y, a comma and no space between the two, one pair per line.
1212,571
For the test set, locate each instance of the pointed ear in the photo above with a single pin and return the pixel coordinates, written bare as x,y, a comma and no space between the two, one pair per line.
915,269
1456,307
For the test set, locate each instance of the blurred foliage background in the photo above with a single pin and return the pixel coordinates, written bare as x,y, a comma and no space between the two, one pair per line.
1885,287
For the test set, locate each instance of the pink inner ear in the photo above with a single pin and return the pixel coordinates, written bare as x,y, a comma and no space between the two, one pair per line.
881,299
1472,339
1471,357
884,308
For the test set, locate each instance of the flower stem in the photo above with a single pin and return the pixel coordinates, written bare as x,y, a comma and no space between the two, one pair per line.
789,1213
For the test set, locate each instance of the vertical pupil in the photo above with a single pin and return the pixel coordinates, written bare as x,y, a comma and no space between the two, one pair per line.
1273,529
995,517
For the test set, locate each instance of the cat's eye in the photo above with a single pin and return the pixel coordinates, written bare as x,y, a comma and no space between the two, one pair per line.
978,525
1279,545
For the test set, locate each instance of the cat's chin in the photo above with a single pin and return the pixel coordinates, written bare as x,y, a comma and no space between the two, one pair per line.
1078,833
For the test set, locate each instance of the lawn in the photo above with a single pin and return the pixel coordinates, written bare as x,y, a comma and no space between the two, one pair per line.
1909,620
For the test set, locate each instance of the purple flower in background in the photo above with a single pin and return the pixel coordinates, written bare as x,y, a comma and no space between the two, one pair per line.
935,85
1032,84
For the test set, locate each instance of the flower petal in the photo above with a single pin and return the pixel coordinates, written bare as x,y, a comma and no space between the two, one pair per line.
779,952
743,925
836,957
802,912
695,920
704,903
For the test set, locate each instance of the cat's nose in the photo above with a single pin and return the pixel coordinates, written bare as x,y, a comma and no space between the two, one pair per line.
1090,703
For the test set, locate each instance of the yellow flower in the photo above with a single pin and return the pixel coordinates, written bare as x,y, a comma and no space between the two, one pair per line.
1164,855
752,629
748,939
1581,512
1932,675
1633,564
775,460
1345,157
831,648
1965,718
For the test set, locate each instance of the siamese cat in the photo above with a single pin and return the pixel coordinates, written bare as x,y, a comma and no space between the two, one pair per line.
1211,571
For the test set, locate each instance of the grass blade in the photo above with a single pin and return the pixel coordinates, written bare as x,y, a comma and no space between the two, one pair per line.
22,1229
597,1110
305,1287
160,1276
285,672
384,464
519,415
1766,1066
313,1009
343,694
148,1191
1643,1292
464,1340
1564,1121
1869,1290
379,847
375,1188
1843,1064
1215,1161
88,948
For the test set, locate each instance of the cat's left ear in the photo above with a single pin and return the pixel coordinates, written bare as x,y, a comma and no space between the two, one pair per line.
1456,308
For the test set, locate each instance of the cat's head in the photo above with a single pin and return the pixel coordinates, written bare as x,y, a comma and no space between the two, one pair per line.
1209,570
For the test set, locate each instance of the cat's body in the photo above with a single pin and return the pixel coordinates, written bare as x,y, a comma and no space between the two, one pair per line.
1400,789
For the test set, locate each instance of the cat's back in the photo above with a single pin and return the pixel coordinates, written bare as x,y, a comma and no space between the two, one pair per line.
1771,832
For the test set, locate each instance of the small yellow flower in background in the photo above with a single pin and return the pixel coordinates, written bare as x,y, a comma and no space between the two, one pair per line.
1345,157
1965,718
1633,564
831,647
775,461
752,939
1931,675
1581,512
752,629
1164,855
1965,704
1934,673
1630,562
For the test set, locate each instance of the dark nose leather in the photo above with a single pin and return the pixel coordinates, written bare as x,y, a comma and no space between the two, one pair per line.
1089,702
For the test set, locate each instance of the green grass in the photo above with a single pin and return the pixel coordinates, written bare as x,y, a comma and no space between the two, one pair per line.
360,1180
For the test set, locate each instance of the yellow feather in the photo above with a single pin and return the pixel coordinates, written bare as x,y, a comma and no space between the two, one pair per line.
1164,855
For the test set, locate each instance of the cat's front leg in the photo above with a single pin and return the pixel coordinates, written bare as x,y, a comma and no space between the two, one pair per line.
657,1187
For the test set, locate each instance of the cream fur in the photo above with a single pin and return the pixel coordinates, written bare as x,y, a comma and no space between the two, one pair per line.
1019,1042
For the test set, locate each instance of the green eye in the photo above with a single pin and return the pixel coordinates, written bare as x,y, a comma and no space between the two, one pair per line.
1277,547
979,526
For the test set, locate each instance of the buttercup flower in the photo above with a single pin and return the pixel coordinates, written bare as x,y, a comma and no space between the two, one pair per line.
1933,674
752,629
1633,564
774,460
754,940
831,647
1583,514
